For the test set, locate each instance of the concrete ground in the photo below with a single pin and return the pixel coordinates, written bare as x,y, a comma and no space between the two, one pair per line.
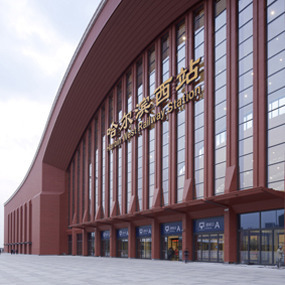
41,270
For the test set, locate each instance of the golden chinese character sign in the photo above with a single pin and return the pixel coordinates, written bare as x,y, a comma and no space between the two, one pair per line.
139,119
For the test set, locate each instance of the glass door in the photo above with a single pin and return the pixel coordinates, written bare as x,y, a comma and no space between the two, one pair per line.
244,247
266,247
221,248
205,247
213,254
198,247
254,247
278,240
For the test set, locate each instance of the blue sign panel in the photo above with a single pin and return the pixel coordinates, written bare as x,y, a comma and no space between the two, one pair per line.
122,233
215,224
143,231
168,229
105,235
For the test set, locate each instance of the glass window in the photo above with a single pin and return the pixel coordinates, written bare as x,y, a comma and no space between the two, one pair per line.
249,221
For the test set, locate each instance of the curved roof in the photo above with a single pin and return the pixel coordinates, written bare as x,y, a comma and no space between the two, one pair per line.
118,32
122,30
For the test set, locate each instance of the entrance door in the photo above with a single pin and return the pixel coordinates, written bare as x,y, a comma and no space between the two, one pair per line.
171,247
209,247
266,247
213,254
254,247
279,239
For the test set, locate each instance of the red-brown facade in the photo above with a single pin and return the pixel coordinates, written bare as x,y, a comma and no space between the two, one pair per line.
209,161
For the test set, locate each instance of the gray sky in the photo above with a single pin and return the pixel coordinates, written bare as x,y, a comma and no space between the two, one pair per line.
38,40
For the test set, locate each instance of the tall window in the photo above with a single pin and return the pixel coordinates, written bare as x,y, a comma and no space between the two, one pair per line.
119,177
110,156
129,144
96,188
103,138
276,93
151,132
89,173
165,74
220,95
199,107
139,90
245,41
180,57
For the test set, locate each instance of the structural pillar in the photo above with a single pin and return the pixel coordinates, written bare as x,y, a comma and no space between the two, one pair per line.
132,241
155,239
112,242
230,236
187,236
97,243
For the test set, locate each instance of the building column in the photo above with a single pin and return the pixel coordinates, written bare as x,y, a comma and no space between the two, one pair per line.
132,241
187,236
113,239
155,239
230,236
97,243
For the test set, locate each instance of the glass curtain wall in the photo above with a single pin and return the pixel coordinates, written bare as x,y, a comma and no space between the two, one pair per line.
245,102
260,235
151,132
180,128
220,80
139,90
165,74
199,106
129,144
276,93
120,161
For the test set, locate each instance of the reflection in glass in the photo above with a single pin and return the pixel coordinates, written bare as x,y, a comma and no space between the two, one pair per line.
151,130
275,96
220,95
180,56
129,86
139,91
165,123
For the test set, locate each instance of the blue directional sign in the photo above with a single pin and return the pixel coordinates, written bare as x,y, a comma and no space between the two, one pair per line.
168,229
105,235
122,233
143,231
215,224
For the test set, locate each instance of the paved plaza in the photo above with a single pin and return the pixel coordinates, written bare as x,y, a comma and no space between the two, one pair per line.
41,270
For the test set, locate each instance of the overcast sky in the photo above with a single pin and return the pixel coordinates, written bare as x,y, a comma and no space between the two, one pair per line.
38,40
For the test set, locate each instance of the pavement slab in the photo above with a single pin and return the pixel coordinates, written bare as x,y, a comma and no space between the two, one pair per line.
43,270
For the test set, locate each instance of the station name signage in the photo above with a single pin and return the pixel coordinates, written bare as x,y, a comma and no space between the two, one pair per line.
144,116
